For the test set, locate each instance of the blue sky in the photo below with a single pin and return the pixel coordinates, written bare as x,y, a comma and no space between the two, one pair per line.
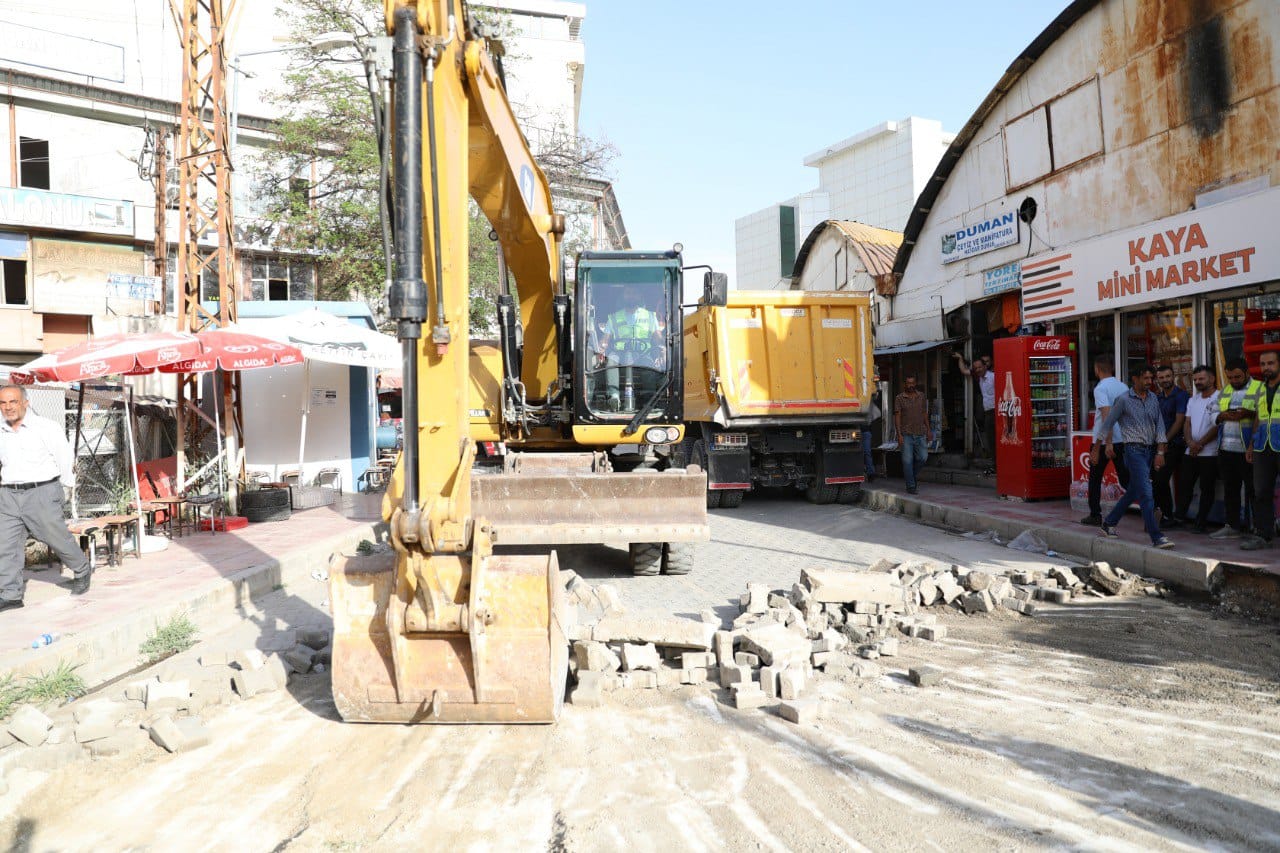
714,104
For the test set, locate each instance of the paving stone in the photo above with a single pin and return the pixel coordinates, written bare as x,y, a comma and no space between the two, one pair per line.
865,669
695,660
821,659
693,675
60,734
1000,588
658,629
595,657
1026,608
801,711
928,590
778,599
756,598
731,673
81,711
300,659
769,680
313,638
926,676
96,727
167,694
826,585
978,602
883,565
122,742
166,734
748,696
932,632
278,670
136,691
250,682
948,589
607,595
281,641
1066,578
791,683
223,658
746,659
977,581
1054,596
247,659
709,617
888,647
50,757
30,726
636,656
775,644
668,677
194,733
188,671
589,691
640,679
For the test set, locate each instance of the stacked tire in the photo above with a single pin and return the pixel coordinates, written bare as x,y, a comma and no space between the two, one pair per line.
266,505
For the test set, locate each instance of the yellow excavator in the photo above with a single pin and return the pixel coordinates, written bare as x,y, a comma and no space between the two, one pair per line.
445,630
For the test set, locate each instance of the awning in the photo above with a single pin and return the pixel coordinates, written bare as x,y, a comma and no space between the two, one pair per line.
916,347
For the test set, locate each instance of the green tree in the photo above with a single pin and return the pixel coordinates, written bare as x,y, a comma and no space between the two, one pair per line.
318,180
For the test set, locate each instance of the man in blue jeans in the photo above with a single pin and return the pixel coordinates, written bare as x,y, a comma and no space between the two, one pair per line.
1145,434
911,420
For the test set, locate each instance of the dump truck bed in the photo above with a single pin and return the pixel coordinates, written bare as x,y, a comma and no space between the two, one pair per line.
779,356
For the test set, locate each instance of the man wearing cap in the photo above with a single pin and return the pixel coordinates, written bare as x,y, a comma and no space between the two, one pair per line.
35,467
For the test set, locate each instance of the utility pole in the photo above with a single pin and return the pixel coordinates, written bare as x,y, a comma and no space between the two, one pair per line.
160,251
204,164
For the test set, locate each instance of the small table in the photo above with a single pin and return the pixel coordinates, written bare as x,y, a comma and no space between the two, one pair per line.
116,527
86,531
200,503
174,511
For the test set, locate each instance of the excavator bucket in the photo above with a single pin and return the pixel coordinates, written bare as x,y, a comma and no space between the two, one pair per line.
581,508
511,669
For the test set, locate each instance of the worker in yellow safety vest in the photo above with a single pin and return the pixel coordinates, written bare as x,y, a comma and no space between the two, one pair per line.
632,338
1237,408
1264,452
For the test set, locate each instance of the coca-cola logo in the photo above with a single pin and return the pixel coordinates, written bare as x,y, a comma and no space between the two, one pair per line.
1050,346
1011,407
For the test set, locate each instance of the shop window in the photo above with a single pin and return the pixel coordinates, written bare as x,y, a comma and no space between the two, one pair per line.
14,275
1248,327
33,163
1159,337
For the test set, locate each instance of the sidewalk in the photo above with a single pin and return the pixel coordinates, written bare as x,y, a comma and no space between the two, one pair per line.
1198,563
208,576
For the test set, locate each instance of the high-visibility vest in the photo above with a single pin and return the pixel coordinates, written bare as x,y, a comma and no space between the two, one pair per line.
633,326
1249,402
1266,428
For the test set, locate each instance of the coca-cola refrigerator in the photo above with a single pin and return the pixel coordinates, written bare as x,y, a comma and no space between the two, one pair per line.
1034,416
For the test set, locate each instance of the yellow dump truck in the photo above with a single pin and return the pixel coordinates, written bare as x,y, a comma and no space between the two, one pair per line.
777,393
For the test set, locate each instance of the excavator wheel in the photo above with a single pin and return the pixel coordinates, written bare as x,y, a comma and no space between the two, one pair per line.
732,498
817,494
850,493
677,558
646,558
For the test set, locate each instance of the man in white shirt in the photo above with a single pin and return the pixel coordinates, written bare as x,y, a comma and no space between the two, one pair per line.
981,372
35,466
1200,432
1107,391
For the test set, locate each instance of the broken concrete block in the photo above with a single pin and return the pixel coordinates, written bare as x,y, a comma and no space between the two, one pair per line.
313,638
977,581
136,691
748,695
931,632
724,646
769,680
757,598
95,727
882,565
1054,596
695,660
247,659
1000,588
589,691
978,602
250,682
194,733
660,630
948,589
595,657
928,590
167,694
802,712
775,644
1026,608
791,683
1105,579
165,732
639,680
122,742
300,659
731,673
925,676
610,603
826,585
864,669
869,653
820,660
637,656
1022,593
59,734
746,659
888,647
49,757
693,675
668,677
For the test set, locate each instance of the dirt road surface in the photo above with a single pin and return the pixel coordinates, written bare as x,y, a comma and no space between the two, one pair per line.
1136,723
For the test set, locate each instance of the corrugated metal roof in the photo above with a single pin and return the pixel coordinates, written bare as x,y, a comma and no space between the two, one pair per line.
876,247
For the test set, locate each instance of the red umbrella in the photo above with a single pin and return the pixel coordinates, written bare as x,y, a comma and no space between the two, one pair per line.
232,349
107,355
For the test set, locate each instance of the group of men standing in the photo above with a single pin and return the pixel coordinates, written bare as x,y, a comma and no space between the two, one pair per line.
1157,436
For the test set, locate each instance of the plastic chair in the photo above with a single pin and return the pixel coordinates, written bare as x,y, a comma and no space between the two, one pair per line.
331,477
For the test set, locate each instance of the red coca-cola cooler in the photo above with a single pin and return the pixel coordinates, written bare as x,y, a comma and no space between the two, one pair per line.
1034,416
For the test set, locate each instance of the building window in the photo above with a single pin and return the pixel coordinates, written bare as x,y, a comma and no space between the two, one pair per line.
1244,327
1158,337
13,274
277,280
33,163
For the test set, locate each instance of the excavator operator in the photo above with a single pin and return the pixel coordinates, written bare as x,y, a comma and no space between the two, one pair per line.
632,337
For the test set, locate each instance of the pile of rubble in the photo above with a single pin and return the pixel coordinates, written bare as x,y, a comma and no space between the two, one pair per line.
164,709
834,621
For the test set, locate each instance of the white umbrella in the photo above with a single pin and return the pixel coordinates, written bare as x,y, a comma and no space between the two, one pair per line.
326,337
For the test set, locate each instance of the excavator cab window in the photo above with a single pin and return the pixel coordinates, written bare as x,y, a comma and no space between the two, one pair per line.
627,315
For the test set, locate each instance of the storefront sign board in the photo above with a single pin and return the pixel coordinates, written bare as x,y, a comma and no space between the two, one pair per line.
40,209
73,278
1000,279
1228,245
981,237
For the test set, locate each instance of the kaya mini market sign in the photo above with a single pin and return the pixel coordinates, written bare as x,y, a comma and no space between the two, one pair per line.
1228,245
981,237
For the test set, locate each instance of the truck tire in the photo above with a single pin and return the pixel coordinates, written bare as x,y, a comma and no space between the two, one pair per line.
265,505
677,558
731,499
850,493
646,558
698,456
820,494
